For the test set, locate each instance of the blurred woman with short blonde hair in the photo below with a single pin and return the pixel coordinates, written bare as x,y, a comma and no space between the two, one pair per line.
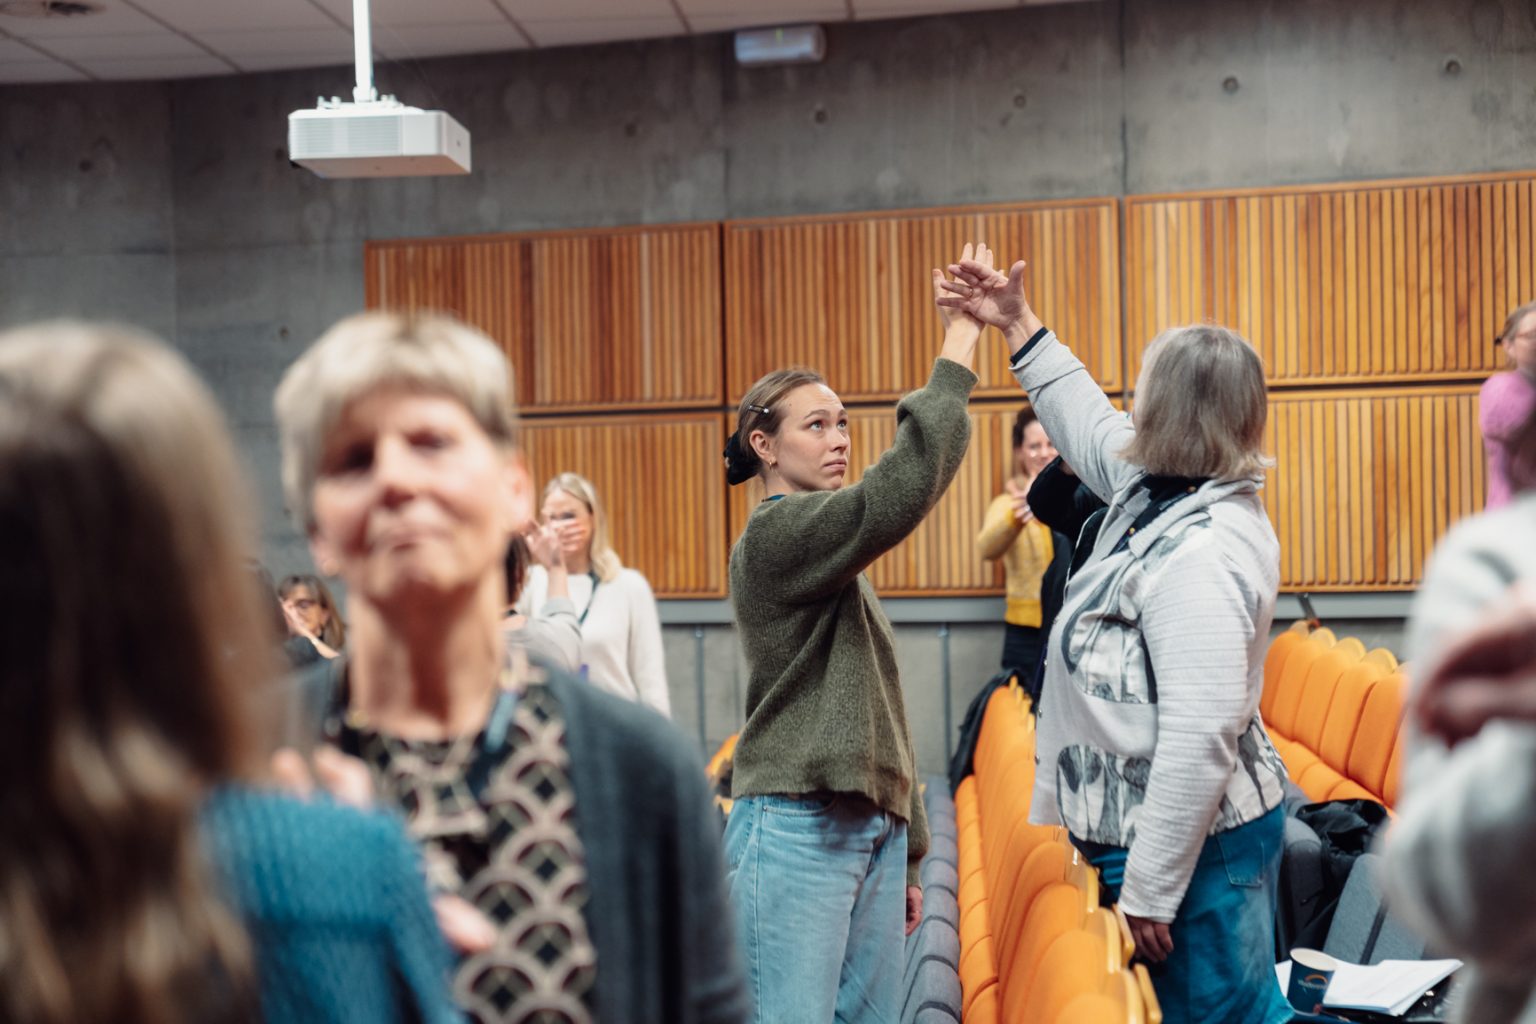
620,624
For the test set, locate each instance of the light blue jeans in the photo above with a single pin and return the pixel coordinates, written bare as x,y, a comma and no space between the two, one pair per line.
819,884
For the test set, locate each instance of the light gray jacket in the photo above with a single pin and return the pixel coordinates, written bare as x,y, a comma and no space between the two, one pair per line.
1458,858
1150,735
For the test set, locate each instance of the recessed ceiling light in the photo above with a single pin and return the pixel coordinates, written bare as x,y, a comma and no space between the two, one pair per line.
48,8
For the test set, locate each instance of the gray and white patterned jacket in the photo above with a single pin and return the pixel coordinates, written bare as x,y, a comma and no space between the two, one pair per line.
1150,736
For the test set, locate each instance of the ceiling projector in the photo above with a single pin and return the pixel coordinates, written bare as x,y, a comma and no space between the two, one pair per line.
380,139
374,137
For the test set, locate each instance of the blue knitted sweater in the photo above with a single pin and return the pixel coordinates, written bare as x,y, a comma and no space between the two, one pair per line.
336,907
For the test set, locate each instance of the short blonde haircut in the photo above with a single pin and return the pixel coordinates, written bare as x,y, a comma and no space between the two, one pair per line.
1201,406
605,560
427,353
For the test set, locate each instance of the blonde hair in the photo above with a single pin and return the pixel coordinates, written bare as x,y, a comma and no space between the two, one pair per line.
1201,406
428,353
117,474
605,561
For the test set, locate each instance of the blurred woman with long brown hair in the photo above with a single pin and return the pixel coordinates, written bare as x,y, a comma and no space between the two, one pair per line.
143,878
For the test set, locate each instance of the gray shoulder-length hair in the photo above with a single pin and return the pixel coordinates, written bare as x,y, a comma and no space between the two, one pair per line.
426,352
1201,405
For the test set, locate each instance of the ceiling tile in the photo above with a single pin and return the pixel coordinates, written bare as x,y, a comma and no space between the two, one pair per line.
600,30
781,13
115,16
407,41
16,72
21,53
165,67
869,9
417,12
760,19
326,41
290,60
198,16
574,10
130,47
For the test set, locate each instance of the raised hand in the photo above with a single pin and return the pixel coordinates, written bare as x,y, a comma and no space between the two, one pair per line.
981,292
974,254
544,545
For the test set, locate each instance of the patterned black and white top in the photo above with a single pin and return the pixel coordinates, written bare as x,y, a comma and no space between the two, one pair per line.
513,852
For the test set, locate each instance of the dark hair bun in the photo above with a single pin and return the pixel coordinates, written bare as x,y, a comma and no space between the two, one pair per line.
741,464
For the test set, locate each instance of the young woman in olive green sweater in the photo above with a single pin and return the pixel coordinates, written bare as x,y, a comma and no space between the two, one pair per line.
827,828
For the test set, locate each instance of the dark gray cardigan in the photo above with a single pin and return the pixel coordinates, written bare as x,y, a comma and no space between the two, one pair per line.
658,913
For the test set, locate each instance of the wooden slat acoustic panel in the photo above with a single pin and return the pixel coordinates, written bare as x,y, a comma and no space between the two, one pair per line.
593,320
852,296
939,559
661,481
1367,481
1343,284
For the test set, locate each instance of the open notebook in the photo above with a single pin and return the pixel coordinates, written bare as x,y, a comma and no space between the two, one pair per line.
1390,987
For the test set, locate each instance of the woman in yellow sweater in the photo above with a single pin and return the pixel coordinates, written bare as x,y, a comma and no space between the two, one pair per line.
1012,533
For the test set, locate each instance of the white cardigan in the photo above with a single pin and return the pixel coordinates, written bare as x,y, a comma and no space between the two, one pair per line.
620,637
1149,735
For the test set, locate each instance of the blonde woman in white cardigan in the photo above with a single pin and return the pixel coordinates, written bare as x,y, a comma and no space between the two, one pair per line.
621,648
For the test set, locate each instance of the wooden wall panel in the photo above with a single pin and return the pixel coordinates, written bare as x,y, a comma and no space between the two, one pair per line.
591,320
939,559
1339,284
852,295
1366,481
661,481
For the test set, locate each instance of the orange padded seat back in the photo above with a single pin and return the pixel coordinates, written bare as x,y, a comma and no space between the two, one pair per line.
1353,646
1372,747
1344,713
1034,861
1282,714
994,723
1317,695
1383,657
1280,648
1094,1008
1394,772
1056,911
1072,966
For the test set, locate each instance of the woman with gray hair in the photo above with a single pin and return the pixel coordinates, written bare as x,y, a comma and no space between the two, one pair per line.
577,823
1151,750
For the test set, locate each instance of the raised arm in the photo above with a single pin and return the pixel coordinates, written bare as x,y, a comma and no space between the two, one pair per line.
1088,431
814,543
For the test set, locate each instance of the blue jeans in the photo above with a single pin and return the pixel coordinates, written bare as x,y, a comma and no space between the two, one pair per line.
818,884
1222,969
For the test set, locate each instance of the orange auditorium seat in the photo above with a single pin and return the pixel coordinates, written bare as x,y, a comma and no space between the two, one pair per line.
1280,648
1316,702
1281,719
1374,738
1055,911
1074,965
1343,722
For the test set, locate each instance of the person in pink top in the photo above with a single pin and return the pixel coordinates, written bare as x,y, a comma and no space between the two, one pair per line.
1507,399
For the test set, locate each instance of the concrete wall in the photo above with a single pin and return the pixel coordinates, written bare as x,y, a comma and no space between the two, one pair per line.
172,205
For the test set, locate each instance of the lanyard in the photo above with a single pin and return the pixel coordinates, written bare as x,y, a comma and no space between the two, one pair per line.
592,575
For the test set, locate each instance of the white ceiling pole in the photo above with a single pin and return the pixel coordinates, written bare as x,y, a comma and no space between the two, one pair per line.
362,45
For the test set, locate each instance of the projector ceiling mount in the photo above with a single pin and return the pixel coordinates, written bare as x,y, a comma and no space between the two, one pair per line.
373,137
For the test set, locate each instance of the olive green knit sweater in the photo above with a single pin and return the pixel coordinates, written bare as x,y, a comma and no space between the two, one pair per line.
824,704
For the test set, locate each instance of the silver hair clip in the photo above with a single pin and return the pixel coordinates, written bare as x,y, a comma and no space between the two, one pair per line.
760,408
